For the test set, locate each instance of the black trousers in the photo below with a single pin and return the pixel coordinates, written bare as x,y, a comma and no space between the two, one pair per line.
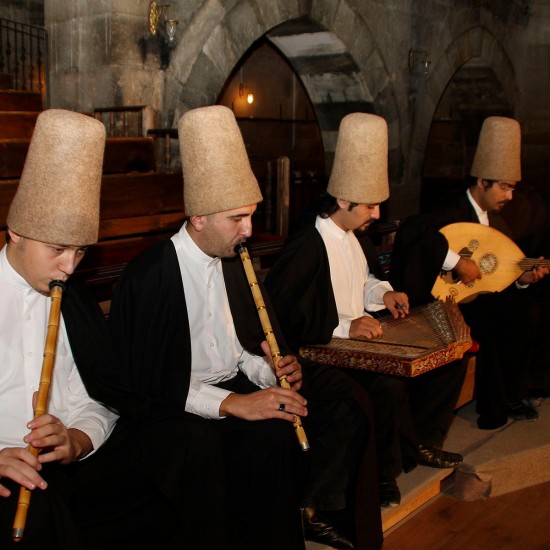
409,412
343,472
262,460
161,486
50,523
337,474
505,325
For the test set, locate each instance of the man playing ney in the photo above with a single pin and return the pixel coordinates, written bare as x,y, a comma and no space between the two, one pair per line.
188,299
52,220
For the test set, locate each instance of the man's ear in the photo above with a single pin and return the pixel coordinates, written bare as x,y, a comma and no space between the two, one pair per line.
481,183
14,237
342,204
198,222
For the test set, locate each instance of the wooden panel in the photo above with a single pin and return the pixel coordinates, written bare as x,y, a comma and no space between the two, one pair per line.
121,155
15,124
10,100
7,192
122,195
118,251
12,157
140,224
129,155
138,194
6,81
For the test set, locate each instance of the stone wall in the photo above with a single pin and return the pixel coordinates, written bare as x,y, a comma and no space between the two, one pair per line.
395,58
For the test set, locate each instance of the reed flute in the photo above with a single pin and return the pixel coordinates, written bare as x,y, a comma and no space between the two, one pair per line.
269,336
56,290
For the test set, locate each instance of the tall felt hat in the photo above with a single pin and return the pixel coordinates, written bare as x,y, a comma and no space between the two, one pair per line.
498,153
216,170
57,200
360,170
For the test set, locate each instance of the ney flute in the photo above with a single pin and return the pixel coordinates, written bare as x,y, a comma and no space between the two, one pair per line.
56,289
268,331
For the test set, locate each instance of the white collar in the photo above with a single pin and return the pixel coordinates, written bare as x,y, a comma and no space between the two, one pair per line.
192,251
8,273
477,208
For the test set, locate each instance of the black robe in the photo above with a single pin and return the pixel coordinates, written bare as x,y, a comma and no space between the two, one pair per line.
149,310
146,480
503,361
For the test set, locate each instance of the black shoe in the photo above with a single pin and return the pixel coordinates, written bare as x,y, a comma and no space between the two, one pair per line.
486,422
437,458
318,529
390,496
518,410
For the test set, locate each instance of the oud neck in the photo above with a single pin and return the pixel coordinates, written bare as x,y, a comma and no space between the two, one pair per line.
529,263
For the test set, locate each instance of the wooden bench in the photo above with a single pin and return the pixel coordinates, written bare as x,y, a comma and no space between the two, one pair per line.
121,155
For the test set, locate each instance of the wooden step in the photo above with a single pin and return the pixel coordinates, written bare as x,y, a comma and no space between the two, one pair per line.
17,124
417,489
12,100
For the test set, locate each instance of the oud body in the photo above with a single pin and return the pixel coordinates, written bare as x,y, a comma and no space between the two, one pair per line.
499,259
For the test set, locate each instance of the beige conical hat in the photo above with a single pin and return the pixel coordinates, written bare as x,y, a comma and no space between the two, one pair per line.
360,170
57,200
498,153
216,170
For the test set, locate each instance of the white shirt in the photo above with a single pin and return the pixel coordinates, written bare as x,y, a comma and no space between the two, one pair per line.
451,259
216,353
356,290
23,326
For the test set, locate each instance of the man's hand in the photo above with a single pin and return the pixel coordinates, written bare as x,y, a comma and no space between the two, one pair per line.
264,404
19,465
272,402
365,328
467,270
288,367
55,441
397,303
534,275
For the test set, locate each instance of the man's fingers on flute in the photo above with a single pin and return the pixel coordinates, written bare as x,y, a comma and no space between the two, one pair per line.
22,473
290,411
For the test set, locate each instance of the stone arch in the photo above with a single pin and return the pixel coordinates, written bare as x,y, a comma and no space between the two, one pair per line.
477,42
338,78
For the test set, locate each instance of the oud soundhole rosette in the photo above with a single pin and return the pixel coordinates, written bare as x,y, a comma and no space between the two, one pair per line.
473,245
488,263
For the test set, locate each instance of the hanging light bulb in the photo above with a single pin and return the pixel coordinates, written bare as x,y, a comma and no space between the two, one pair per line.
171,25
250,98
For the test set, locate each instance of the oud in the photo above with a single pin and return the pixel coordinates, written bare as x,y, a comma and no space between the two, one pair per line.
499,259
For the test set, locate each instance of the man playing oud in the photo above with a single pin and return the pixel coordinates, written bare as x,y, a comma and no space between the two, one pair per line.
421,252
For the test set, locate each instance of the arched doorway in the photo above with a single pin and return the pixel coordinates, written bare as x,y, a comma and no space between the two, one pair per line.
473,94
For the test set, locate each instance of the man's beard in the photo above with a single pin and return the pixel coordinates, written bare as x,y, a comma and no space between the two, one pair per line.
362,229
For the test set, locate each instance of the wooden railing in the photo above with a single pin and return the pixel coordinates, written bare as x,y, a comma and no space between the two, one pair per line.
125,120
24,57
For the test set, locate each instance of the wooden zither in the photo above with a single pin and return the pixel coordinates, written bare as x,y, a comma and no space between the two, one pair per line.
429,337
